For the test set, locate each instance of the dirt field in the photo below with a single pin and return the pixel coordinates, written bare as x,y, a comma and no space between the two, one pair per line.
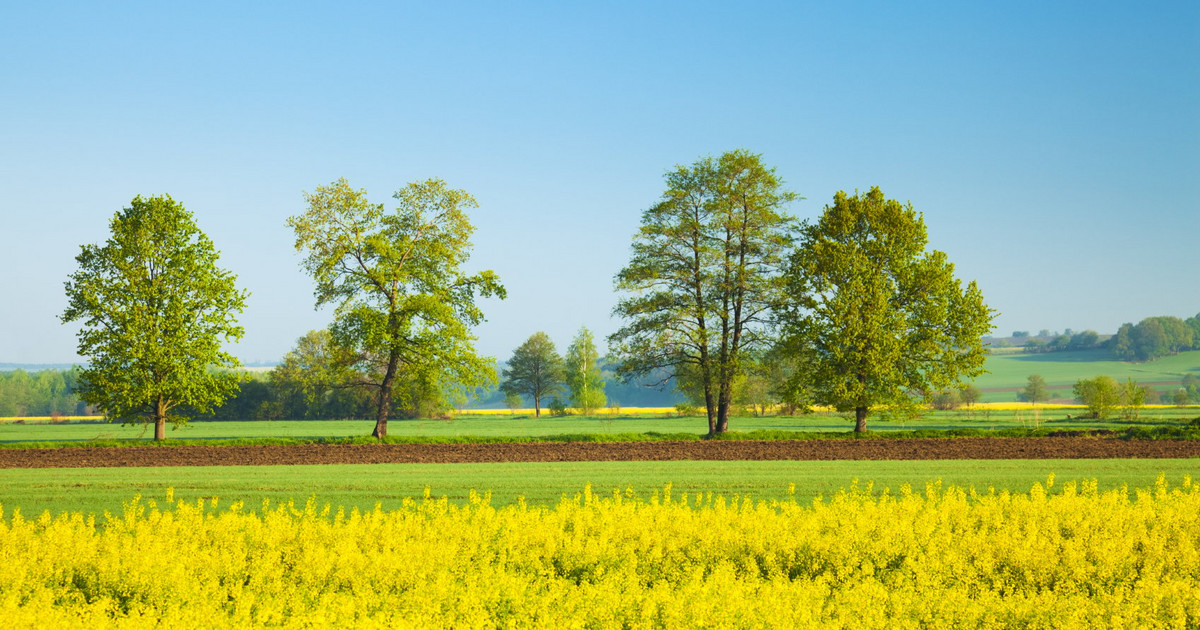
877,449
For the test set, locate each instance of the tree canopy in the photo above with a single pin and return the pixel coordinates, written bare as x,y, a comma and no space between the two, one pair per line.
703,278
405,307
880,319
155,310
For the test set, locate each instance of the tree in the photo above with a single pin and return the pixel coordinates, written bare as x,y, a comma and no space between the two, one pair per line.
969,394
1085,340
582,374
155,310
1100,394
314,380
881,318
1122,343
1132,397
704,279
405,307
1035,390
535,370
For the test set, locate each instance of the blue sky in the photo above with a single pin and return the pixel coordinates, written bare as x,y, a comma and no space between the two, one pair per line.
1054,148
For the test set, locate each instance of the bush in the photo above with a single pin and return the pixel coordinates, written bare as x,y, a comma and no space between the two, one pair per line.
557,407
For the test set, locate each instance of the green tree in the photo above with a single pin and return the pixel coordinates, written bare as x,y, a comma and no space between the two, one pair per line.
155,309
1132,398
535,370
969,395
405,307
582,374
1100,394
704,279
314,380
1122,343
1035,390
881,317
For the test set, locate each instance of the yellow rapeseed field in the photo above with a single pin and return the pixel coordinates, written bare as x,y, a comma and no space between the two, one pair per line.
1066,556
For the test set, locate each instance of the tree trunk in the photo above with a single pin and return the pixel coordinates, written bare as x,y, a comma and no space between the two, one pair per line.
724,402
537,406
385,398
860,419
160,419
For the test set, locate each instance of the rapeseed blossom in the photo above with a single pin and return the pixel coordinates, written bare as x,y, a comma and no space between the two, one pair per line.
1065,556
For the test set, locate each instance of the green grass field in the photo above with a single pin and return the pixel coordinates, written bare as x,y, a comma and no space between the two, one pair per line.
96,490
504,425
1062,369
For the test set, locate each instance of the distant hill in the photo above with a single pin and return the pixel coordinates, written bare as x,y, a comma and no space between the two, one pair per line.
1009,371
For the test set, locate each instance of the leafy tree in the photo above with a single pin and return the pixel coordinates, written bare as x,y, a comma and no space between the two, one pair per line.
1100,394
1132,398
1150,340
513,402
1122,343
314,380
704,278
1035,390
969,395
1085,340
1036,346
945,400
582,374
535,370
405,307
155,310
882,318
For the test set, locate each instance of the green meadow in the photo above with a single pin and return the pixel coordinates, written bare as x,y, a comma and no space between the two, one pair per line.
97,490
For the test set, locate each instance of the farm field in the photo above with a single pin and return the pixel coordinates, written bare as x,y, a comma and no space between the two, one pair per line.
1009,371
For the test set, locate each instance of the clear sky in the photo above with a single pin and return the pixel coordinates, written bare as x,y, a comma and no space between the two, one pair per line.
1053,147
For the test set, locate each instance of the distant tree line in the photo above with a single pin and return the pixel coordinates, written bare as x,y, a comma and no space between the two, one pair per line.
1156,337
41,393
1150,339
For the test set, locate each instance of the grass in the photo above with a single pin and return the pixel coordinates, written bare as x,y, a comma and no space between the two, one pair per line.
96,490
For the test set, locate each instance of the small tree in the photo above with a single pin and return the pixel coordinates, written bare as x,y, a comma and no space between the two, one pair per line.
1100,394
155,310
513,402
945,400
535,370
582,374
1133,398
1035,390
970,395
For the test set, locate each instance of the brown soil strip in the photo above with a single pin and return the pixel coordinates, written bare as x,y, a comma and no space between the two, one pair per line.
872,449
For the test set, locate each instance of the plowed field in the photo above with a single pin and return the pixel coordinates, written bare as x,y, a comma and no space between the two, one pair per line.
870,449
